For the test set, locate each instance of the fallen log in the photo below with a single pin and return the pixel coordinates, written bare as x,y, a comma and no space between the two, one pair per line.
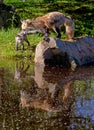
57,52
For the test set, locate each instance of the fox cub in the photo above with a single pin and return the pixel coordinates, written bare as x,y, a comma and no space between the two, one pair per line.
20,38
51,21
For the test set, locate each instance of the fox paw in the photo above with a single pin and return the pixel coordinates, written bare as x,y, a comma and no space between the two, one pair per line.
47,39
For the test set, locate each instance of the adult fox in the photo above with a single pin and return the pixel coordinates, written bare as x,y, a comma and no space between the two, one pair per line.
51,21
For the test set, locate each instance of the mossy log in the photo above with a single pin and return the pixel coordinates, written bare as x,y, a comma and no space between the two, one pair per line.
59,52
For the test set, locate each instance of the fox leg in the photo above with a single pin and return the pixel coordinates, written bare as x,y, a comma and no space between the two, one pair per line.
22,46
57,31
46,34
27,40
16,46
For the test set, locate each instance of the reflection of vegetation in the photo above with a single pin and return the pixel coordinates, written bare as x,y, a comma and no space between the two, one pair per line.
82,110
10,84
85,88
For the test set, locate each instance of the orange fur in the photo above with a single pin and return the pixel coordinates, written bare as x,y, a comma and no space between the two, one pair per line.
51,21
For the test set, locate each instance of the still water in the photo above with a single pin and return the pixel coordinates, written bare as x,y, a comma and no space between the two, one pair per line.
37,98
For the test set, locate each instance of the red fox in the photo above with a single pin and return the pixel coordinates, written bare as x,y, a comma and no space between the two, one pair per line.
51,21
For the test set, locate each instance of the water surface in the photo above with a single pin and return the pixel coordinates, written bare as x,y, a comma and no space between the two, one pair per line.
37,98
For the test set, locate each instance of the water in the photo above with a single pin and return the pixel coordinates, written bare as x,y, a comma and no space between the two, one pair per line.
37,98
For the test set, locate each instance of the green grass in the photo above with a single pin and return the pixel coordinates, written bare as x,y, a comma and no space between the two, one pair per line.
82,12
7,44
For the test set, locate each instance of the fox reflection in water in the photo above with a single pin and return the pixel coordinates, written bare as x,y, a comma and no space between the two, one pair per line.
67,90
21,71
48,95
47,103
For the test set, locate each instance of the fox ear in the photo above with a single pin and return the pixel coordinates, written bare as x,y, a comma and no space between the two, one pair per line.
23,21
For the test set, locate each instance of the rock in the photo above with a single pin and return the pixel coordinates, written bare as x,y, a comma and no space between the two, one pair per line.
59,52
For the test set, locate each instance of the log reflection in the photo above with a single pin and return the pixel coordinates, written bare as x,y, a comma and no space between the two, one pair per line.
51,94
54,88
